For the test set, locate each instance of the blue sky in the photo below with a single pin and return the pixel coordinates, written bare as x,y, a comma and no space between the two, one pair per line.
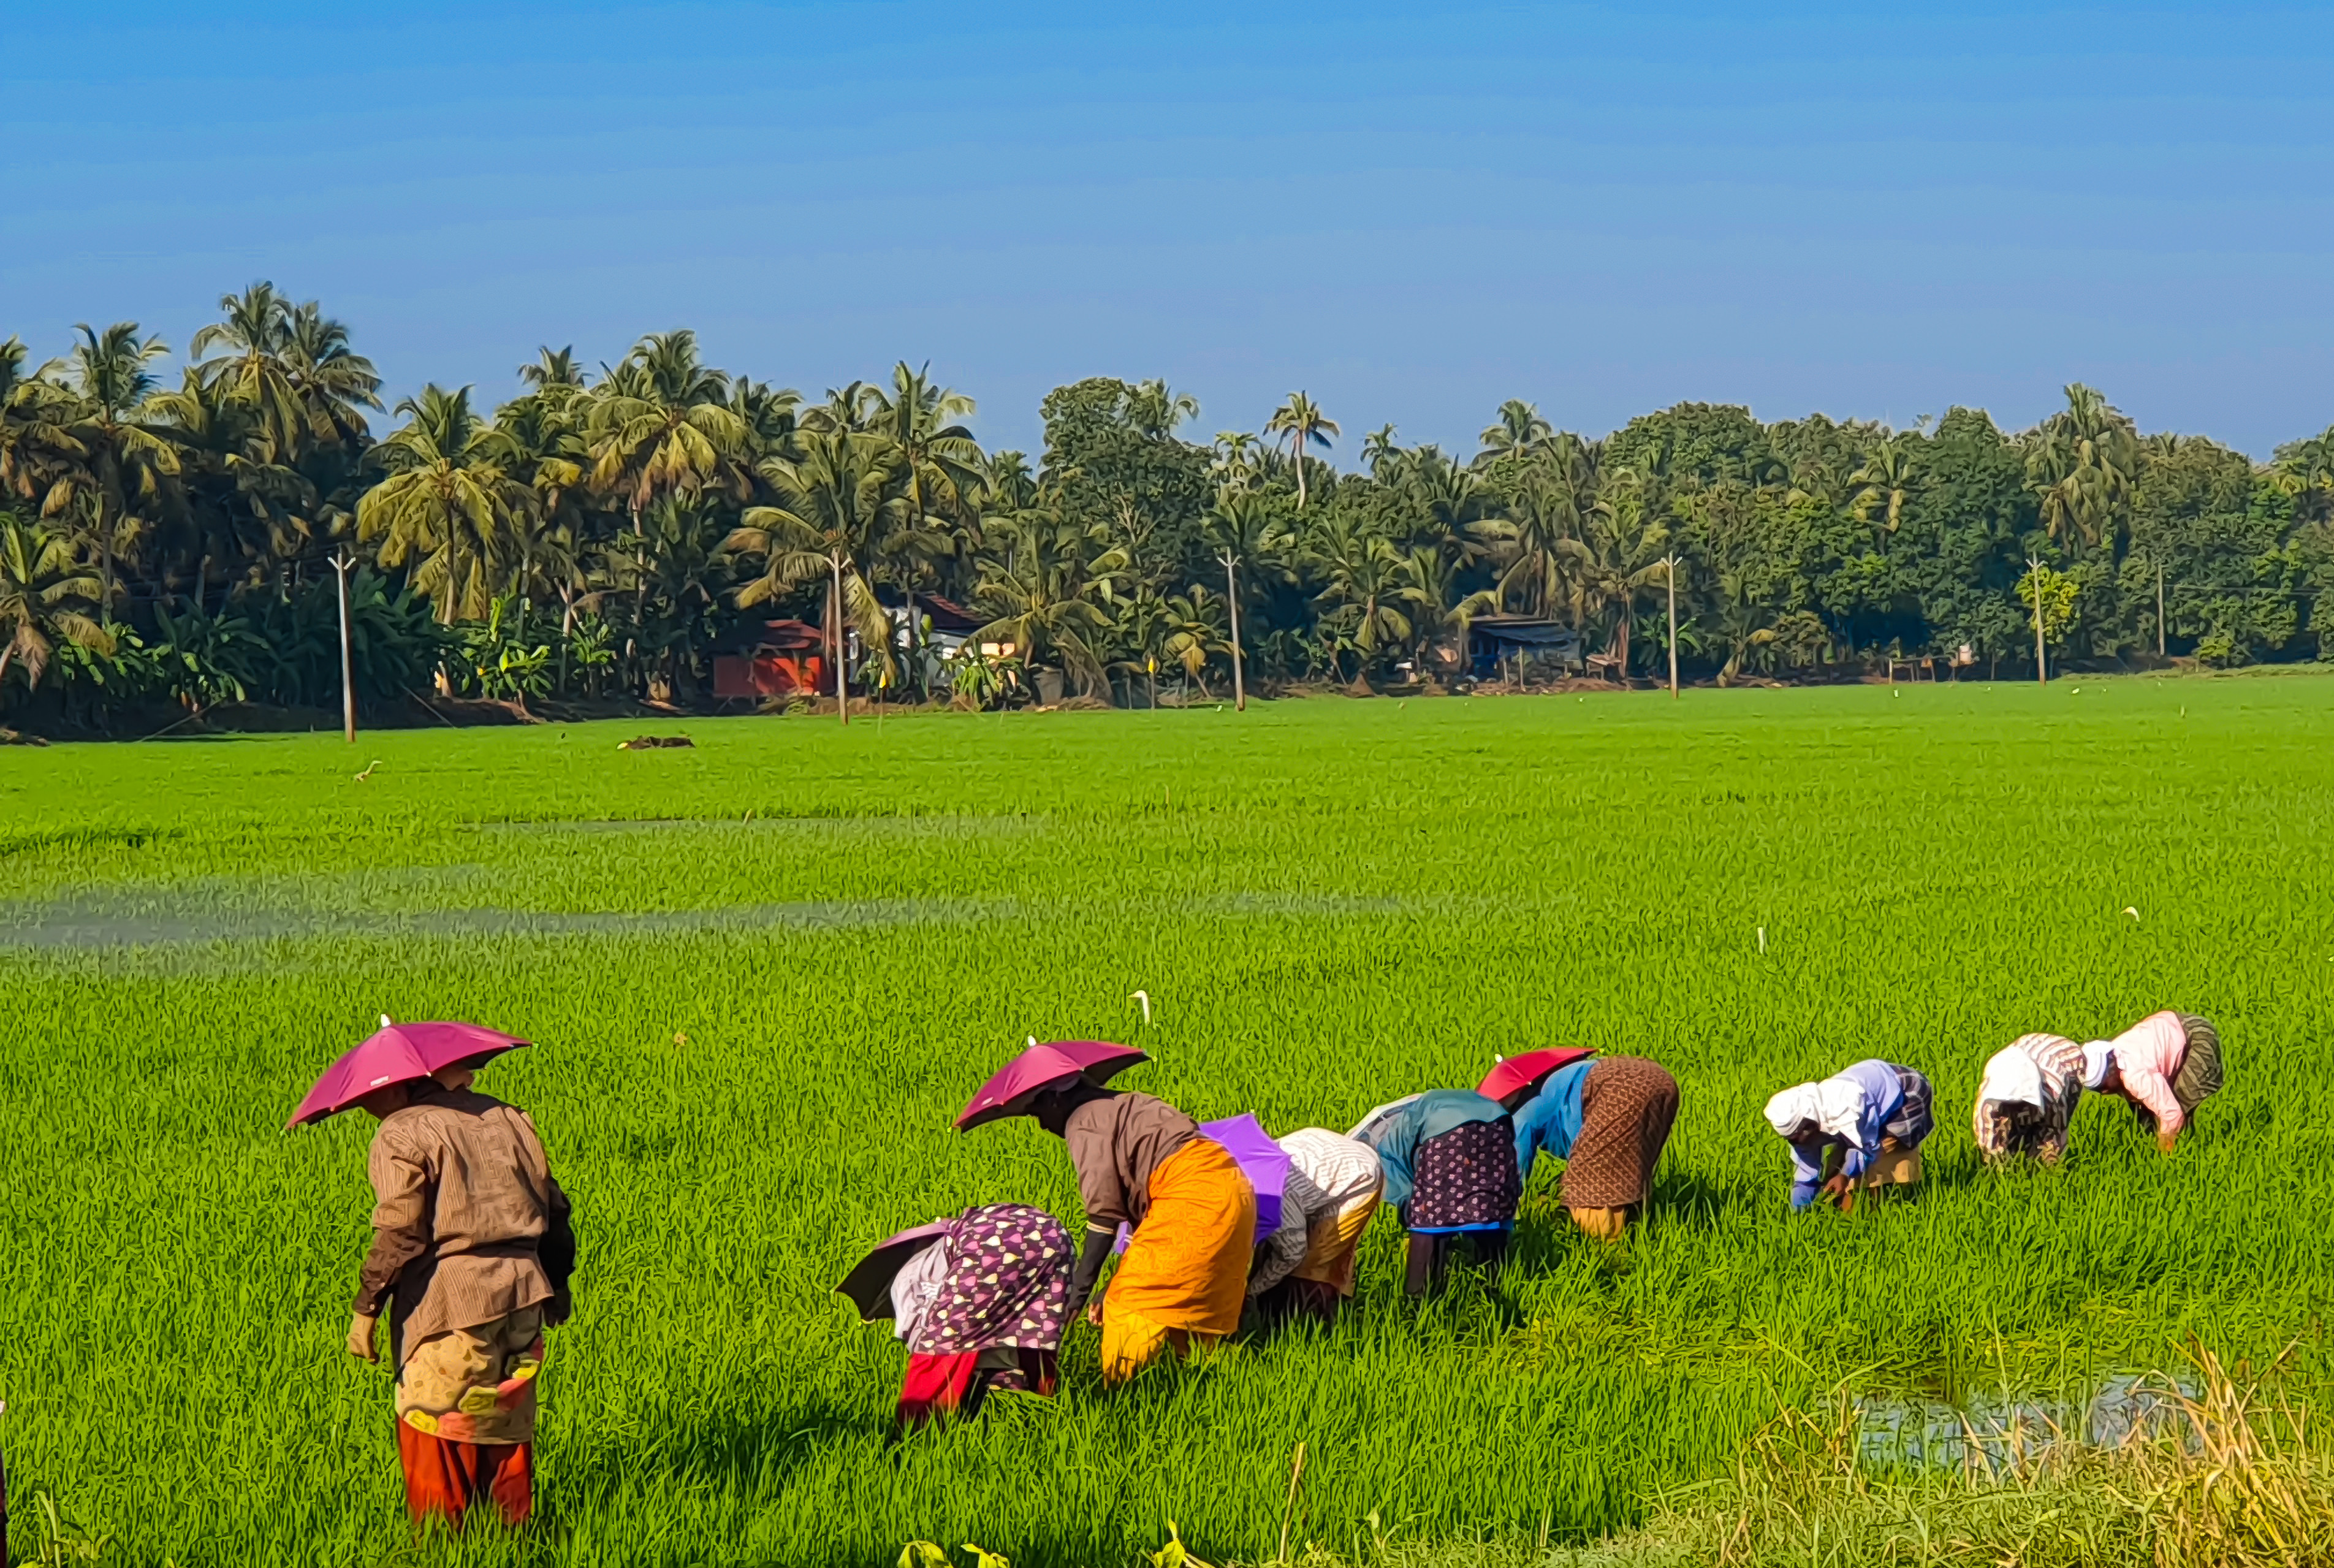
1865,210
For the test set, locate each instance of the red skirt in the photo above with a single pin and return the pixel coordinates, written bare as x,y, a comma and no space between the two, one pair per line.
445,1479
938,1386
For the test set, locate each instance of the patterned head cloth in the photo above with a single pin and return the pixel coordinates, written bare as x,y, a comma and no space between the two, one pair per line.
2099,1061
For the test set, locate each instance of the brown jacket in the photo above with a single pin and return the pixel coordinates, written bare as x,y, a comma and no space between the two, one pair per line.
469,1226
1116,1139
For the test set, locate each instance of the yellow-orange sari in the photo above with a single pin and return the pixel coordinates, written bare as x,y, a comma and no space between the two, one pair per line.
1185,1272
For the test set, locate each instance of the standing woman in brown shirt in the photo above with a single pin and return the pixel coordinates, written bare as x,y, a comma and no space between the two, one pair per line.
474,1249
1143,1163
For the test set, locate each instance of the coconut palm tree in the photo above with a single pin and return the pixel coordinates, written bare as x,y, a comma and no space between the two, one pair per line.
1518,432
923,422
2083,461
1618,556
1362,589
1881,485
659,424
42,592
335,382
1193,628
846,408
1234,466
1246,532
1053,595
1302,424
1451,505
37,446
449,504
841,512
2303,469
292,363
552,367
1438,613
1154,410
248,509
256,335
772,416
546,454
1541,513
118,487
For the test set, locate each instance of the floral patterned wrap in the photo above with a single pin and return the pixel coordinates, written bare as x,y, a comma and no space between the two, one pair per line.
474,1385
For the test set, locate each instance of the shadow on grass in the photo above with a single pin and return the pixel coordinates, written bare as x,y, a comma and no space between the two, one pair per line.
734,1450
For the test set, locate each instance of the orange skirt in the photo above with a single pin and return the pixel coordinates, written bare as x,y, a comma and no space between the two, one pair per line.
445,1479
1185,1272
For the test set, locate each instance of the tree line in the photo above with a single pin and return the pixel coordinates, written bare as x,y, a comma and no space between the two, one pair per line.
606,531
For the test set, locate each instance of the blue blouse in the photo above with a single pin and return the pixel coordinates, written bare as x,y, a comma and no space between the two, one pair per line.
1395,1136
1549,1121
1880,1093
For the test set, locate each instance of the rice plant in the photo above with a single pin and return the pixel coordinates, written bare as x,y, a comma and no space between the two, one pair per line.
764,972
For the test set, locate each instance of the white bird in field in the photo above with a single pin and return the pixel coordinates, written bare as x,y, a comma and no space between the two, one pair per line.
368,768
2128,909
1144,998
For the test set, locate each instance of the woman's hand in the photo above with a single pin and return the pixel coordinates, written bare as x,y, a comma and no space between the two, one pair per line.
1837,1190
361,1338
1093,1310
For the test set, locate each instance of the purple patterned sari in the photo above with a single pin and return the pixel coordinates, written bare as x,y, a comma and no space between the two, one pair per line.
1008,1282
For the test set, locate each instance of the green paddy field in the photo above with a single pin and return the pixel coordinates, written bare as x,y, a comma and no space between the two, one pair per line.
762,974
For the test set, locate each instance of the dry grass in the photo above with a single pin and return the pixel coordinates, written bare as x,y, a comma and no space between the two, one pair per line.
2227,1477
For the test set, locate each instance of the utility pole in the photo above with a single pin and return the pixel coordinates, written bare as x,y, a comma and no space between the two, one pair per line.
1231,598
1671,561
341,564
2159,609
842,693
2034,575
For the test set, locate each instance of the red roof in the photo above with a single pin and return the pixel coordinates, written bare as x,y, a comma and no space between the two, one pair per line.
780,636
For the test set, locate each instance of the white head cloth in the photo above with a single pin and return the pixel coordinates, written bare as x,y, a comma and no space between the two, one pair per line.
2011,1077
2099,1061
1835,1106
1797,1104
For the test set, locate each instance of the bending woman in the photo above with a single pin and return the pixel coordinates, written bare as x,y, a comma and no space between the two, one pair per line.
1608,1119
1143,1163
2028,1097
1333,1189
1861,1127
2167,1064
981,1310
1450,1159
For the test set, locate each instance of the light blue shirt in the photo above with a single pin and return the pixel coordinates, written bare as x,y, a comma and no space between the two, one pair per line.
1397,1134
1549,1121
1880,1094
